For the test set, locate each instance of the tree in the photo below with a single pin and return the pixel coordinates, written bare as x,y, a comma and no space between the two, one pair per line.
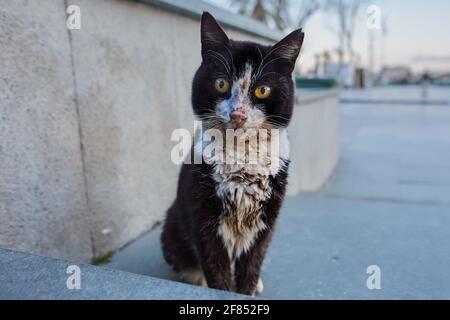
346,12
280,14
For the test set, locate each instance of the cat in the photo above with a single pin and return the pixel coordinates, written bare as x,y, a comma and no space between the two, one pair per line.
217,231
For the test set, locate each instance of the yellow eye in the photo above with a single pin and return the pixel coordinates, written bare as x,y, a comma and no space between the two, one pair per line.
221,85
262,92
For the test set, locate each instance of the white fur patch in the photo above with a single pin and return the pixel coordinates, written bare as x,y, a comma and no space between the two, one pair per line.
243,188
259,287
194,276
236,245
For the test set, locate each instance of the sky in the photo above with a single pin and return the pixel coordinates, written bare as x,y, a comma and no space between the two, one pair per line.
415,28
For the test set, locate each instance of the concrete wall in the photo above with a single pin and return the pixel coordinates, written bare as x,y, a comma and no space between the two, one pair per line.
314,138
133,87
86,118
43,206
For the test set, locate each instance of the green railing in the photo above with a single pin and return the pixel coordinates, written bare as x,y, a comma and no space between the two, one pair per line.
315,83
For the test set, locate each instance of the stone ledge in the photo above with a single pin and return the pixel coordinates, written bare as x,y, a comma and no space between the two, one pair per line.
309,96
195,8
26,276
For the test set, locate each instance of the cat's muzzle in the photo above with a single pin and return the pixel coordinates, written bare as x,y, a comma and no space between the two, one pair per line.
238,118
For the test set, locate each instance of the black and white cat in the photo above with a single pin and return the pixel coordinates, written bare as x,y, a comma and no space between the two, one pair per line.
219,227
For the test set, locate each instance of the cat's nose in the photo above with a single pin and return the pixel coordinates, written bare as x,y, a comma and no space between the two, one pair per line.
238,118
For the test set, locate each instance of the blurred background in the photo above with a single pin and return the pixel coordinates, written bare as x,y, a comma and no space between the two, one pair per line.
362,43
91,91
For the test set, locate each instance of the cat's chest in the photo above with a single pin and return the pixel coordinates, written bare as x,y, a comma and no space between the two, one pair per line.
242,194
243,189
243,185
242,181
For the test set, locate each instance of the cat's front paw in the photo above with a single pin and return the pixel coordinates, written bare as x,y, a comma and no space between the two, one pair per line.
259,287
195,277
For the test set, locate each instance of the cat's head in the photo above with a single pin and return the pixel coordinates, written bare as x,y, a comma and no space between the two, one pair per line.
243,84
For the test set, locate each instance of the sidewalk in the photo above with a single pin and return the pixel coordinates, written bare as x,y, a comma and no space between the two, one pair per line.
388,204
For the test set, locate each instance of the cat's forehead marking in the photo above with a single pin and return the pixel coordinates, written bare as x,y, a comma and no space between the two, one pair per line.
242,83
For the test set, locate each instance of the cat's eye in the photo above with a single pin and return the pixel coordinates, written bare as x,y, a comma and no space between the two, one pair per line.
221,85
262,92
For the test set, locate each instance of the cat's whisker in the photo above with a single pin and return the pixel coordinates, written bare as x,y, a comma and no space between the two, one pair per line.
231,57
277,116
267,73
222,59
273,124
268,54
267,63
260,54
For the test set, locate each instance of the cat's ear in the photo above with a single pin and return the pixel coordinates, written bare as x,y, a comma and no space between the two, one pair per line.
289,47
212,35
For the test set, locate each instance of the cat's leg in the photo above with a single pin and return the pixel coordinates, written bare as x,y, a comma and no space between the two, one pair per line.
178,249
178,253
194,276
215,262
248,266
